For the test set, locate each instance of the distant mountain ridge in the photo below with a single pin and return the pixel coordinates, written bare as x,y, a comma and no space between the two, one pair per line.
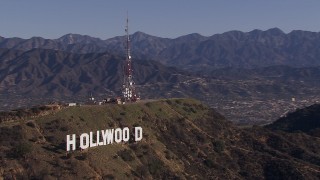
230,49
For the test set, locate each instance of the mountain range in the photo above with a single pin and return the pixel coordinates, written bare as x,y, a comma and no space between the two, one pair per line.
194,52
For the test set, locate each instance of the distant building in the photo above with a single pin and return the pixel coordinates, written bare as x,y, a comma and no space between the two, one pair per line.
72,104
91,100
119,101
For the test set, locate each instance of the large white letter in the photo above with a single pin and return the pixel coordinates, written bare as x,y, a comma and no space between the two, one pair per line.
104,136
83,137
71,142
110,136
118,135
92,144
125,134
138,133
107,135
98,139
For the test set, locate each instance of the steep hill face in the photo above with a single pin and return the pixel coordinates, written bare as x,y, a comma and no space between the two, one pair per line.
306,120
181,139
195,52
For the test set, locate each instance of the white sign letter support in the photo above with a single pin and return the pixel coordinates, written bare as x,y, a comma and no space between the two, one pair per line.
71,142
138,133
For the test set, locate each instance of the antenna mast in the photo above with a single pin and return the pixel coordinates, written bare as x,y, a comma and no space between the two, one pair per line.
128,88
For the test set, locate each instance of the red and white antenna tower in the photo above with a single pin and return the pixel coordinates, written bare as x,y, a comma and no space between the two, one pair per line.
128,89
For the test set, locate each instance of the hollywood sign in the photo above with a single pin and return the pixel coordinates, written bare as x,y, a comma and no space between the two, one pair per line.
102,138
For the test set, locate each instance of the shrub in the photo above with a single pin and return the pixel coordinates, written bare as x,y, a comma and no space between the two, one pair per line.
64,128
219,146
169,102
148,104
31,124
193,110
111,124
186,104
126,155
109,176
178,101
83,156
142,171
208,163
35,110
178,131
185,108
168,155
22,149
156,167
201,138
119,119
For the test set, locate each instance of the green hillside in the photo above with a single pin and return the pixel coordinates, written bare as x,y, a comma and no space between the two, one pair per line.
182,138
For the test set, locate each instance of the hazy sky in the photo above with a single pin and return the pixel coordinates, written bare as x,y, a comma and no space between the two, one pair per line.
164,18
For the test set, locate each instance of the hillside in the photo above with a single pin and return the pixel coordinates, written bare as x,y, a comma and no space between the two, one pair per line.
306,120
182,138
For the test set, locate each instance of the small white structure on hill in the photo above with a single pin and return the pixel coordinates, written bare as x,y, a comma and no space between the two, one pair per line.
72,104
